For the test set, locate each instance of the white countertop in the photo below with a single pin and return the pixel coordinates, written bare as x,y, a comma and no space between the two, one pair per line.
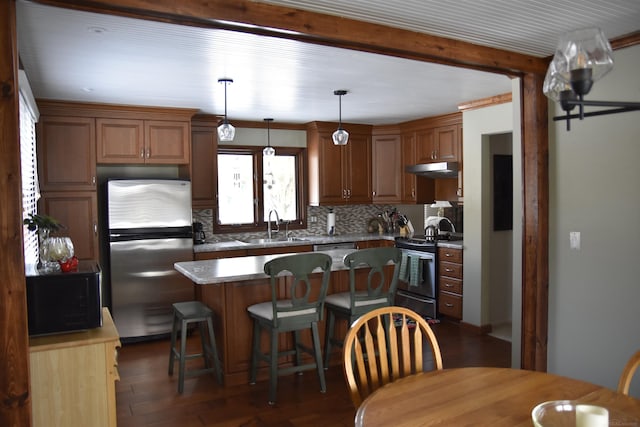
223,270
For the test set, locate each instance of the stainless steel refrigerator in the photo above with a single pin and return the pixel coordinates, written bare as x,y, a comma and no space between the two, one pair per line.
150,229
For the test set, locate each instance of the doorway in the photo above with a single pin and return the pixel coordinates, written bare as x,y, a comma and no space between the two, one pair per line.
500,235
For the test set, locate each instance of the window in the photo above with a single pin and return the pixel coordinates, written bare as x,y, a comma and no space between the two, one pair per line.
250,186
29,169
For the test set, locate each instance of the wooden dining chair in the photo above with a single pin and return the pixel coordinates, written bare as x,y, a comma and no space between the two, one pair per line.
627,373
370,267
385,345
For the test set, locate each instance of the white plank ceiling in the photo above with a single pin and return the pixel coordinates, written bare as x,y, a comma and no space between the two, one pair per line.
80,56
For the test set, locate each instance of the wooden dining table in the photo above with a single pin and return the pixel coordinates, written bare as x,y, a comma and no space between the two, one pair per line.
484,397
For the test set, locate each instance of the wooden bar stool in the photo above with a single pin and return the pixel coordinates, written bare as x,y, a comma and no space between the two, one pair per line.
183,314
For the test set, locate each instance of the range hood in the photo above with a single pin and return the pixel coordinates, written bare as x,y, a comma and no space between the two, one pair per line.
434,170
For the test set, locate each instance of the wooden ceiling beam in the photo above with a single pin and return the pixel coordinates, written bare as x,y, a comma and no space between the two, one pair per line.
278,21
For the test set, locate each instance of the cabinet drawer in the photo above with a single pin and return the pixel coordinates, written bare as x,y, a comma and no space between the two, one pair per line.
450,305
450,255
448,269
451,285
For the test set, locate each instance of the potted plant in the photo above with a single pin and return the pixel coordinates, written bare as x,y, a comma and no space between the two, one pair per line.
50,253
44,224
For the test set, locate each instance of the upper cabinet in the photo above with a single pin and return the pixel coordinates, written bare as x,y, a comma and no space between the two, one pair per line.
339,175
204,160
386,162
409,188
434,139
66,153
438,144
132,141
437,138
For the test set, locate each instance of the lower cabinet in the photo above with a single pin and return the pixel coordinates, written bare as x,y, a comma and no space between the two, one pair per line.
78,212
73,377
450,282
382,243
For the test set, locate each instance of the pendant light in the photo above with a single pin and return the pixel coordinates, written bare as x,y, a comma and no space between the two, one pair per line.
582,57
268,151
226,131
340,136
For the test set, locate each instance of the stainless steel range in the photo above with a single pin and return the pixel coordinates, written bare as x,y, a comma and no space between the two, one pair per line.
417,288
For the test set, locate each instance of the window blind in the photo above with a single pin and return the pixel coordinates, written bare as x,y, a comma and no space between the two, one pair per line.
29,171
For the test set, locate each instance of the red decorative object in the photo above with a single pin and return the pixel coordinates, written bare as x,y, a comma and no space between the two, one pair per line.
71,264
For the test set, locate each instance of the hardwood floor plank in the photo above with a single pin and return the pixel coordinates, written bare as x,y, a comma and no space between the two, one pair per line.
147,396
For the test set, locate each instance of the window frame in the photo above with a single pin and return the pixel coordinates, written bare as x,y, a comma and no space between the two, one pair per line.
260,223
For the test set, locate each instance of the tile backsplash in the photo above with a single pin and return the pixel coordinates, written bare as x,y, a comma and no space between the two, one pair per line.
349,219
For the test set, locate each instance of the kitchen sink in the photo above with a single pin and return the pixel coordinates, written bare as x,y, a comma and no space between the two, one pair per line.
275,240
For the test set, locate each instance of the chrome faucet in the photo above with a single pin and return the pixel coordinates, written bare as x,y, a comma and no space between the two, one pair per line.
269,223
453,227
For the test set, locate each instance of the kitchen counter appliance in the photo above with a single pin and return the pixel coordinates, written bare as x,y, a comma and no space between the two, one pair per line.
419,289
150,228
65,302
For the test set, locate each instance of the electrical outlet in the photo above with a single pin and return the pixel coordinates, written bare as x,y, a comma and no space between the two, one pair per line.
574,240
313,218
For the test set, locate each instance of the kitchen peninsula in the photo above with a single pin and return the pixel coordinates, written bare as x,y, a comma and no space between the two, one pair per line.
230,285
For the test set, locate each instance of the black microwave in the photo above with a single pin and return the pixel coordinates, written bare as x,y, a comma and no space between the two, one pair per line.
65,302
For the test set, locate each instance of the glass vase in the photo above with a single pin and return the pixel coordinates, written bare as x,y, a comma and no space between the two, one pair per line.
47,264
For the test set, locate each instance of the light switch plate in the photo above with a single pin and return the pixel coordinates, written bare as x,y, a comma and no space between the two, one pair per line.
574,240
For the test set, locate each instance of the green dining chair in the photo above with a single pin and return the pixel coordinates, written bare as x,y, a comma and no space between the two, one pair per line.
354,303
297,299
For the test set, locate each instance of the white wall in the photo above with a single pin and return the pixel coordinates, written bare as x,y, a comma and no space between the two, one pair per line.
594,293
478,126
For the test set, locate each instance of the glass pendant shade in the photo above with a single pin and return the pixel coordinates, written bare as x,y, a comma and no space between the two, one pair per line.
340,137
582,57
268,151
226,132
557,89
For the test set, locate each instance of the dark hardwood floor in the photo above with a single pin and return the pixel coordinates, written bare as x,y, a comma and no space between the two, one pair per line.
147,396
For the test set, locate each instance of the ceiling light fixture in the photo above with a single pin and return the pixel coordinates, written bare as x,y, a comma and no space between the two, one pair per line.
582,57
226,131
268,151
340,136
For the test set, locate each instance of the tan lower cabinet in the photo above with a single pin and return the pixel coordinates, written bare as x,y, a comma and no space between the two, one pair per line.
73,377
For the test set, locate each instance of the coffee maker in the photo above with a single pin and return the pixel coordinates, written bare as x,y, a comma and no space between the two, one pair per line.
198,233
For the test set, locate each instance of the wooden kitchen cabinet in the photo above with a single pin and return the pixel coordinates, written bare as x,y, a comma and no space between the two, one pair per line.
66,153
408,156
433,139
134,141
78,212
339,175
439,144
450,280
382,243
386,161
73,377
204,161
